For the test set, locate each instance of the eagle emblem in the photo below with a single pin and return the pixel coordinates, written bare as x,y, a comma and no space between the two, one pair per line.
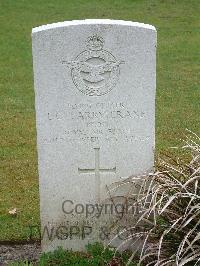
95,71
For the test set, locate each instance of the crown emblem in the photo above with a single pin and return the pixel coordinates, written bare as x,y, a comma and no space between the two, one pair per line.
95,43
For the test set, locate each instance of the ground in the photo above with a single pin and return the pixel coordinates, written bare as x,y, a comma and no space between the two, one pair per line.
95,255
177,102
20,252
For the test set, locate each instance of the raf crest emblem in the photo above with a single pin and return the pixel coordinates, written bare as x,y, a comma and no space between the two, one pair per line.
95,71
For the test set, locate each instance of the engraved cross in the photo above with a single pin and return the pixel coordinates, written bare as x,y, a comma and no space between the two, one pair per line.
97,170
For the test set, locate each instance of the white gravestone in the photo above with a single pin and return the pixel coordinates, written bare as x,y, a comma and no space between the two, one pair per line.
95,84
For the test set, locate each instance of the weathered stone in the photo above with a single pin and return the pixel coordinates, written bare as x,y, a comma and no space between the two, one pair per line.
95,86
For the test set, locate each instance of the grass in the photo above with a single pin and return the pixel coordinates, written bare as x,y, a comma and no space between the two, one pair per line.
168,223
177,22
95,255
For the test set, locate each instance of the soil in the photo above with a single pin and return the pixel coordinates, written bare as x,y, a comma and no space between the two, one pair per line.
19,252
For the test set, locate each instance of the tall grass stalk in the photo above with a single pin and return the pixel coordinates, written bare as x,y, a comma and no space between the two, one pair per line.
168,221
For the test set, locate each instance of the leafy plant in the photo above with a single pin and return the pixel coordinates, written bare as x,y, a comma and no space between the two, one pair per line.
96,255
21,263
167,212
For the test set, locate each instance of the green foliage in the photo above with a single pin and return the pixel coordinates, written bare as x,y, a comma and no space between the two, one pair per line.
96,255
21,263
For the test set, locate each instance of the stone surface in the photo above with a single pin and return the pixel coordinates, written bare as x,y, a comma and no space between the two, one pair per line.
95,86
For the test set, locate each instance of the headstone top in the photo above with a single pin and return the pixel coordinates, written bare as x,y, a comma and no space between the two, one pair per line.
92,21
